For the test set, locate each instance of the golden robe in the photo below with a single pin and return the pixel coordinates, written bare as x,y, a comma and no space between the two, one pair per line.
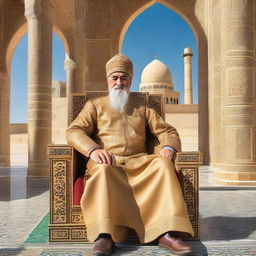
140,190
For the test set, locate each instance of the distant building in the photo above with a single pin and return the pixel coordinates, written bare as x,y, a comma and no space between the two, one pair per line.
156,78
58,89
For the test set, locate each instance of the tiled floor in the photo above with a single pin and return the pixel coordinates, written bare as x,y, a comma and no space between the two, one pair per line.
227,219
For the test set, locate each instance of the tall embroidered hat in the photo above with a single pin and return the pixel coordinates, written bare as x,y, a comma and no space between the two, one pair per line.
119,63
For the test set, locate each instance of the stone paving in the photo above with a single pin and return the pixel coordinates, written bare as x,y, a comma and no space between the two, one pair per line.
227,219
241,248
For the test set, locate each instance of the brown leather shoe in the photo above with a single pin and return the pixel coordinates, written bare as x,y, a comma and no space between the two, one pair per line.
174,244
103,247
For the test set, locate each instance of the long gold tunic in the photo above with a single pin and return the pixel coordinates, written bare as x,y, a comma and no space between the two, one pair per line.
140,190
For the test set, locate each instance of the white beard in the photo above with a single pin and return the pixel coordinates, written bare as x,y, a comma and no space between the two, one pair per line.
118,98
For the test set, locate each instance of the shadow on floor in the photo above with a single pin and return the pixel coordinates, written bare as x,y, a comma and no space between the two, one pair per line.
120,250
227,228
199,249
22,187
11,251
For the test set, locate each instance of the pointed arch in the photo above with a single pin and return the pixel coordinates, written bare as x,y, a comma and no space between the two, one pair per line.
20,32
64,40
134,15
16,37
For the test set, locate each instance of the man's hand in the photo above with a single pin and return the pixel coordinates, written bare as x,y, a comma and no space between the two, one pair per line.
101,156
167,153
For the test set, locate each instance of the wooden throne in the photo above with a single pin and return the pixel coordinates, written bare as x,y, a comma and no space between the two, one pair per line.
66,165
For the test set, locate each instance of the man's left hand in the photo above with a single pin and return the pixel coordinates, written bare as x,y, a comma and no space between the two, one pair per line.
167,153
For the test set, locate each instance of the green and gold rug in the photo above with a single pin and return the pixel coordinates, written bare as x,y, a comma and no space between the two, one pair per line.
40,233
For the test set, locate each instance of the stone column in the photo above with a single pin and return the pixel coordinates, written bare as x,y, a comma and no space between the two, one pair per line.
215,81
238,71
4,118
38,16
70,66
188,93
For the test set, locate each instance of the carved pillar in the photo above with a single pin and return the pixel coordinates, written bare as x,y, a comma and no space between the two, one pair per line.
215,81
239,122
4,118
38,16
188,93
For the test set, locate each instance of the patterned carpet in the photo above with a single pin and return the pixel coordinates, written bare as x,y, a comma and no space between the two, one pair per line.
154,250
150,250
199,249
40,235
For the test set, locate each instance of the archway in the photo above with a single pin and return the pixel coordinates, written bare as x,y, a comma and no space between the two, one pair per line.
148,36
18,103
59,84
18,117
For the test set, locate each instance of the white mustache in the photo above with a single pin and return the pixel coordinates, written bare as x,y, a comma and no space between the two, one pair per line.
118,87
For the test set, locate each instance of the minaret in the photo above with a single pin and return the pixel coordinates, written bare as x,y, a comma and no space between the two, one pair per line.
188,93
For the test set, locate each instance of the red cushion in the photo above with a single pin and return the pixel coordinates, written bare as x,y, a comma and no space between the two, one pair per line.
78,190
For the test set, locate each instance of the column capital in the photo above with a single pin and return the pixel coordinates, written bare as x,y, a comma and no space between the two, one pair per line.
36,8
69,65
187,54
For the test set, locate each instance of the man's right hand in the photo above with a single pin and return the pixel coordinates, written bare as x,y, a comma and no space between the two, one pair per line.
101,156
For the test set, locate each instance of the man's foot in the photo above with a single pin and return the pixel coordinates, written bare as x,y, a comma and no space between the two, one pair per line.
174,244
103,246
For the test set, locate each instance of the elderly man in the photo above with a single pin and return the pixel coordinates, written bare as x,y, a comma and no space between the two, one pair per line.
127,187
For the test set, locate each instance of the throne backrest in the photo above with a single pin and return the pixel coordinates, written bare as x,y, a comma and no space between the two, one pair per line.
78,101
155,101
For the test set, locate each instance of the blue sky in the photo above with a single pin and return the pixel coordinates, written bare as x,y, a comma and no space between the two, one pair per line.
158,31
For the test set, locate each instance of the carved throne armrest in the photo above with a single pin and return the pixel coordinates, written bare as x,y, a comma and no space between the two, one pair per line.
188,163
66,220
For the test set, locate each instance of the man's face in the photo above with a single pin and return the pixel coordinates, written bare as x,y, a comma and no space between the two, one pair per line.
119,81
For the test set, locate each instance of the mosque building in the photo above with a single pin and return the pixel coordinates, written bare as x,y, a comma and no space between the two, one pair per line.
156,78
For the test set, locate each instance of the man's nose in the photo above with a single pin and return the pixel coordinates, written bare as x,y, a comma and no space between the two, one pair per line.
118,81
